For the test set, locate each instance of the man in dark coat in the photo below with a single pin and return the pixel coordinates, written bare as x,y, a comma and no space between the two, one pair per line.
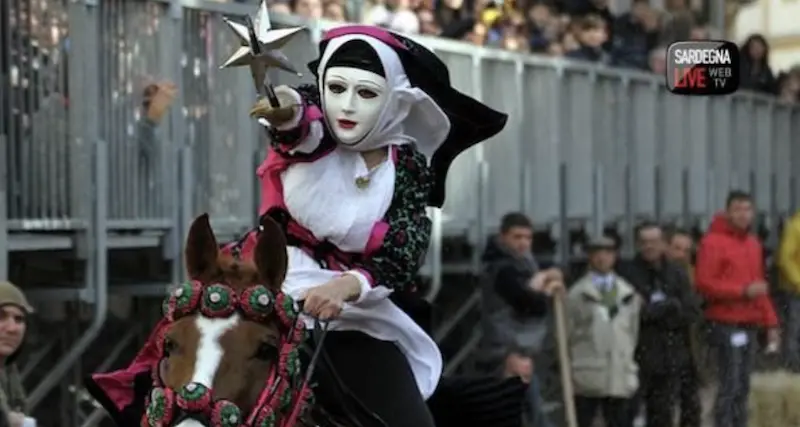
664,351
515,305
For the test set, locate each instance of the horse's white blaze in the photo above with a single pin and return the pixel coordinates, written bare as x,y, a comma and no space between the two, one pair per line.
209,350
209,353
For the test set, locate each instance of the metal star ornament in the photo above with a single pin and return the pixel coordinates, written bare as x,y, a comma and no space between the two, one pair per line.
259,49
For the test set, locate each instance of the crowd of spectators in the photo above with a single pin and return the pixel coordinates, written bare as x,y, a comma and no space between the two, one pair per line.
672,327
578,29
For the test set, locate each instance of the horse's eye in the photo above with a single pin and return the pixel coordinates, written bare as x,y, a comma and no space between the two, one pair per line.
266,351
169,346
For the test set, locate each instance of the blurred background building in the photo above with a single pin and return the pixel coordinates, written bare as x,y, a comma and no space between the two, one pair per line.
777,21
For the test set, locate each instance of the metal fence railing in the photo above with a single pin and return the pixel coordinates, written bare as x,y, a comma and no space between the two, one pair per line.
73,73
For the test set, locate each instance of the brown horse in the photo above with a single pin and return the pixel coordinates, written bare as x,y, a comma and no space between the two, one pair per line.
231,336
227,354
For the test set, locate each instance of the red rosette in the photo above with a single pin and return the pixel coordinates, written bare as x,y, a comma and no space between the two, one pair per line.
159,408
285,309
194,397
285,399
278,395
266,418
257,303
182,301
289,362
226,414
218,301
300,405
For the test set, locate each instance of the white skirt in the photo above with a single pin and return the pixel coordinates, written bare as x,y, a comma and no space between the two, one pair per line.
376,316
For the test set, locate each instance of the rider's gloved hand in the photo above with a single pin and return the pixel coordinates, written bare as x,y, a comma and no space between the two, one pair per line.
285,117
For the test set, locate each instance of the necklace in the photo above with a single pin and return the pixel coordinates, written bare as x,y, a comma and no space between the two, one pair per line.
362,182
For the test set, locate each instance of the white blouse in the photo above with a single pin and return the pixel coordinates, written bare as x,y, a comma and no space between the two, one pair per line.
339,210
323,197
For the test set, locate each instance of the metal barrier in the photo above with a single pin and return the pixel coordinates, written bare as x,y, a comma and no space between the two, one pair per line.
583,143
677,155
654,154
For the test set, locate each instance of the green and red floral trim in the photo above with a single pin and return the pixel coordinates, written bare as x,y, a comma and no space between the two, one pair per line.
266,418
226,414
160,407
194,397
219,301
285,396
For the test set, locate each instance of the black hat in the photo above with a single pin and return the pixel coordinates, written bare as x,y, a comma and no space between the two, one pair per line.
470,120
357,54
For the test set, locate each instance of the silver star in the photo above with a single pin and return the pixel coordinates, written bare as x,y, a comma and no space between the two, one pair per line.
260,46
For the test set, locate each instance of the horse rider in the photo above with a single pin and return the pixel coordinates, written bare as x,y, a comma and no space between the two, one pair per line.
353,169
355,161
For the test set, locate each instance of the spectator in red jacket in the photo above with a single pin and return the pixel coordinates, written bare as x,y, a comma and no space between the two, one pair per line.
730,276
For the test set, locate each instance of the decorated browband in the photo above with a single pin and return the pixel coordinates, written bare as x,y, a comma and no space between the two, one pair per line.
256,303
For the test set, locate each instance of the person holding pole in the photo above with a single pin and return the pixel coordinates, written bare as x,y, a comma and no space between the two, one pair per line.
516,294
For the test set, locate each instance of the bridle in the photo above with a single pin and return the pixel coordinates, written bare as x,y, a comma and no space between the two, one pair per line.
321,252
286,395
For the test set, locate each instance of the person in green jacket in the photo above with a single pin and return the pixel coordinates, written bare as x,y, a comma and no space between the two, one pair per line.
14,311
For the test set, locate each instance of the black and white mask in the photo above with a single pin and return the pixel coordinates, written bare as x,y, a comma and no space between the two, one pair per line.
355,92
368,102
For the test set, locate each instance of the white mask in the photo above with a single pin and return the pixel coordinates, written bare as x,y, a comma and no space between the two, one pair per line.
354,99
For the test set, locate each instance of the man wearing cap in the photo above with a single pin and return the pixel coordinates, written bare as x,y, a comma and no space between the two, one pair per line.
603,316
14,310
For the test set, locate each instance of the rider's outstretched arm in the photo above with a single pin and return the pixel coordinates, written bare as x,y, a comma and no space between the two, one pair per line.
405,230
300,138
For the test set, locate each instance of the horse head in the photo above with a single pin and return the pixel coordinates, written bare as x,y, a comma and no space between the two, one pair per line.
229,354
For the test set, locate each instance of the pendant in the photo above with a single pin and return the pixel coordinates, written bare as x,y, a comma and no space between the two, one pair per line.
362,182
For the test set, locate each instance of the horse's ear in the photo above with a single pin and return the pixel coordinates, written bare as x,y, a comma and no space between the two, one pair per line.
270,253
201,247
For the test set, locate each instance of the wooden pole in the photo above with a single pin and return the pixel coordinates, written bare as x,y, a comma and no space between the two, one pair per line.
563,359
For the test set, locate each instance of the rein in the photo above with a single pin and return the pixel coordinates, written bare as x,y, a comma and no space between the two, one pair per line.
286,396
325,254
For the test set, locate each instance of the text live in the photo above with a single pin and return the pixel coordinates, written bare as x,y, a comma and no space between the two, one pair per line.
700,78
